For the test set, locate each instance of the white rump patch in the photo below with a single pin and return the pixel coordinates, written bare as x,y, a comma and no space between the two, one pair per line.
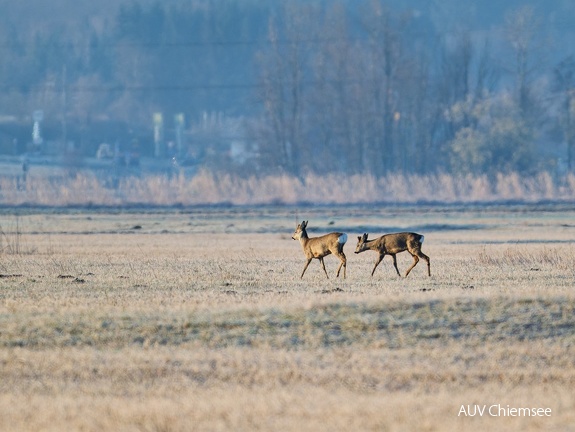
342,239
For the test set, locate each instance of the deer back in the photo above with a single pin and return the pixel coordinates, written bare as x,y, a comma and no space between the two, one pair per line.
399,242
325,244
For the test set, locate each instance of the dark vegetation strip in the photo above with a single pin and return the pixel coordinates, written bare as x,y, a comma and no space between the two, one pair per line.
469,321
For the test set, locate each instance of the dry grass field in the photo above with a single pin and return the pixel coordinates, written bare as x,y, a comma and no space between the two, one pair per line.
185,320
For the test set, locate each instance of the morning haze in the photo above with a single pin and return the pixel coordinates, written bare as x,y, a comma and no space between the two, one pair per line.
157,156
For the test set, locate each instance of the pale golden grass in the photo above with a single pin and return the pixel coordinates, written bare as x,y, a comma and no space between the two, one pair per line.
263,389
177,321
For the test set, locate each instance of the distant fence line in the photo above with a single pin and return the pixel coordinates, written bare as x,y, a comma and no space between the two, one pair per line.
210,188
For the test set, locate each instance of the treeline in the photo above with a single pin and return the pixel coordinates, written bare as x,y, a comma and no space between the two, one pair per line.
134,59
323,86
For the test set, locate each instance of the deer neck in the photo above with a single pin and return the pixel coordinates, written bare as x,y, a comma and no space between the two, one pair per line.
374,244
303,238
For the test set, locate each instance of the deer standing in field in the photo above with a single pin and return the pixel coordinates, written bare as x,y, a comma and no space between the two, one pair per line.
319,247
392,244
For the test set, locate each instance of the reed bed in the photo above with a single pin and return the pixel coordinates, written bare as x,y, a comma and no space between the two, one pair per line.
205,187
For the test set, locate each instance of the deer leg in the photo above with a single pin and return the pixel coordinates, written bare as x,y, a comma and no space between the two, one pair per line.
305,268
426,258
343,263
415,261
395,264
323,265
377,263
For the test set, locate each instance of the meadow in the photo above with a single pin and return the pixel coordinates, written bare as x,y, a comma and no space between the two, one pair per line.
180,319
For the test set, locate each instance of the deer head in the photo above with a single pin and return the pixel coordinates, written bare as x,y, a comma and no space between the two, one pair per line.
361,244
300,231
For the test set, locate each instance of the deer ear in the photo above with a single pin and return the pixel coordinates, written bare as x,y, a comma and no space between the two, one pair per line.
304,224
365,236
358,238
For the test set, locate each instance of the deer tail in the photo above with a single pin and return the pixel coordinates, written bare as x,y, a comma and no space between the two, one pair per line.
341,242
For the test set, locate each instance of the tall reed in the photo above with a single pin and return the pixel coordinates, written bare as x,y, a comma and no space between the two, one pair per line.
206,187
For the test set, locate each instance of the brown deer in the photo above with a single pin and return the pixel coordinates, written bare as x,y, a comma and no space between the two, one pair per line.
319,247
392,244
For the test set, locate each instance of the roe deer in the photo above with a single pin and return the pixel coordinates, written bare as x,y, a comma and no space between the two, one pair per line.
392,244
318,247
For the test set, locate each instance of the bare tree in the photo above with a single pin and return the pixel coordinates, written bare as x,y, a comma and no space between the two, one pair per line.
282,69
487,75
564,84
523,31
383,60
338,114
